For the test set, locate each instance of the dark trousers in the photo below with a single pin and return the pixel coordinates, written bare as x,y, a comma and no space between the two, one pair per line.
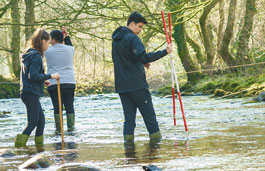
34,113
67,98
142,100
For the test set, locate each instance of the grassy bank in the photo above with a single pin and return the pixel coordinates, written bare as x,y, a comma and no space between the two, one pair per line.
227,85
10,88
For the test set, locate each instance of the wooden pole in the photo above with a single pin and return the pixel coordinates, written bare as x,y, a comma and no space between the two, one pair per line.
60,111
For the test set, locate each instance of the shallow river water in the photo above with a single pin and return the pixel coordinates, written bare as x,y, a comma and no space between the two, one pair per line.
224,134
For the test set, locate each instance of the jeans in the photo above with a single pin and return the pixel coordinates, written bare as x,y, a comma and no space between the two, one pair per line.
35,114
67,98
142,100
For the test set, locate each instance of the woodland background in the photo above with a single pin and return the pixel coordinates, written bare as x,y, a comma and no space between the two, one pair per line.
215,36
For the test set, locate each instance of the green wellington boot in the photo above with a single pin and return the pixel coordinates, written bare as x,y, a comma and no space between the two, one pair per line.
57,124
21,140
128,138
39,141
70,122
155,136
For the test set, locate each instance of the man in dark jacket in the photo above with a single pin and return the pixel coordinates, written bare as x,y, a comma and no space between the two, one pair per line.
129,58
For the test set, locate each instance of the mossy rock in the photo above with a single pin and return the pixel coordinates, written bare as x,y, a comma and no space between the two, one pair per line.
219,92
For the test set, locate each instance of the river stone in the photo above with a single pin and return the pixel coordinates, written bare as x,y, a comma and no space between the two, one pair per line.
7,153
77,167
219,93
260,97
39,161
168,96
151,168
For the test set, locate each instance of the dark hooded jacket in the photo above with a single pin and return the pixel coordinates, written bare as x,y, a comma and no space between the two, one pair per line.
129,57
32,75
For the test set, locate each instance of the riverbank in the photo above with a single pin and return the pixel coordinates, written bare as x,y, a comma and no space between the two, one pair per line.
228,85
9,88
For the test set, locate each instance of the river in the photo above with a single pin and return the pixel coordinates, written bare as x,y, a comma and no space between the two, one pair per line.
224,134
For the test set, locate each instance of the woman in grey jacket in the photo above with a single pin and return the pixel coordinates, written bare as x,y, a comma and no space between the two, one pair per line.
32,80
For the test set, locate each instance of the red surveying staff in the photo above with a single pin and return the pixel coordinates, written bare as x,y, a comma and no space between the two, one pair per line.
174,75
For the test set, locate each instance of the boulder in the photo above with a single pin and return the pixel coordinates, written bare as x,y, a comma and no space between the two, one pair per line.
39,161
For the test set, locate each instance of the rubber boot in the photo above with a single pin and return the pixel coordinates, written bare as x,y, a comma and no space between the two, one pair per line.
128,138
39,141
57,124
155,136
21,140
70,122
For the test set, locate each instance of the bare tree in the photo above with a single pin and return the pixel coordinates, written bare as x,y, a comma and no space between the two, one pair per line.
245,32
15,42
228,34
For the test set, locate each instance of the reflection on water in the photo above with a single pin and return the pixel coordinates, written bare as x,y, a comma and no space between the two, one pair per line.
225,134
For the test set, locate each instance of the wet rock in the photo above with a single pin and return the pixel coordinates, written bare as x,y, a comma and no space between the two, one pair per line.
39,161
219,93
77,167
151,168
7,153
168,96
198,94
260,97
4,116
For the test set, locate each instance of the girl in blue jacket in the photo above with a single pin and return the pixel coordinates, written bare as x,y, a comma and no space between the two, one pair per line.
32,79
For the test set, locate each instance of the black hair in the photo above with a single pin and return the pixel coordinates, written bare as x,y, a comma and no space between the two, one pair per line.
136,17
57,35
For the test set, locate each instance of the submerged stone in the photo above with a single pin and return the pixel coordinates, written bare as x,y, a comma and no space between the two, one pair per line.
77,167
151,168
7,153
39,161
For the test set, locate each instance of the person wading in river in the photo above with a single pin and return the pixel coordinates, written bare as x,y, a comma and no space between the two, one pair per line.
130,58
59,59
32,80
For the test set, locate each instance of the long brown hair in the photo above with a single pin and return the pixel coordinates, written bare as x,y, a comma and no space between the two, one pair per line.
36,40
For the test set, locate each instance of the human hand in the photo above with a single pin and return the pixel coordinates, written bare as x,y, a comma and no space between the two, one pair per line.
64,30
55,76
147,66
47,83
169,48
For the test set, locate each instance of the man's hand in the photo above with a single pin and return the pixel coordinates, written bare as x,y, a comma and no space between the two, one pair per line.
147,66
65,33
47,83
169,48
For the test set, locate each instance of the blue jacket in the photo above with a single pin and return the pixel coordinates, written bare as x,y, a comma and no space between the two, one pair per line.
32,75
129,57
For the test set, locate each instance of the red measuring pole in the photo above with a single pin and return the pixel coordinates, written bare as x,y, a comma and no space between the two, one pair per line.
169,40
173,72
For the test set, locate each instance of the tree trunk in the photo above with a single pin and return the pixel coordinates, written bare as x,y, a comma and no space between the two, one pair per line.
220,27
183,51
207,42
227,57
242,50
15,39
196,47
29,18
